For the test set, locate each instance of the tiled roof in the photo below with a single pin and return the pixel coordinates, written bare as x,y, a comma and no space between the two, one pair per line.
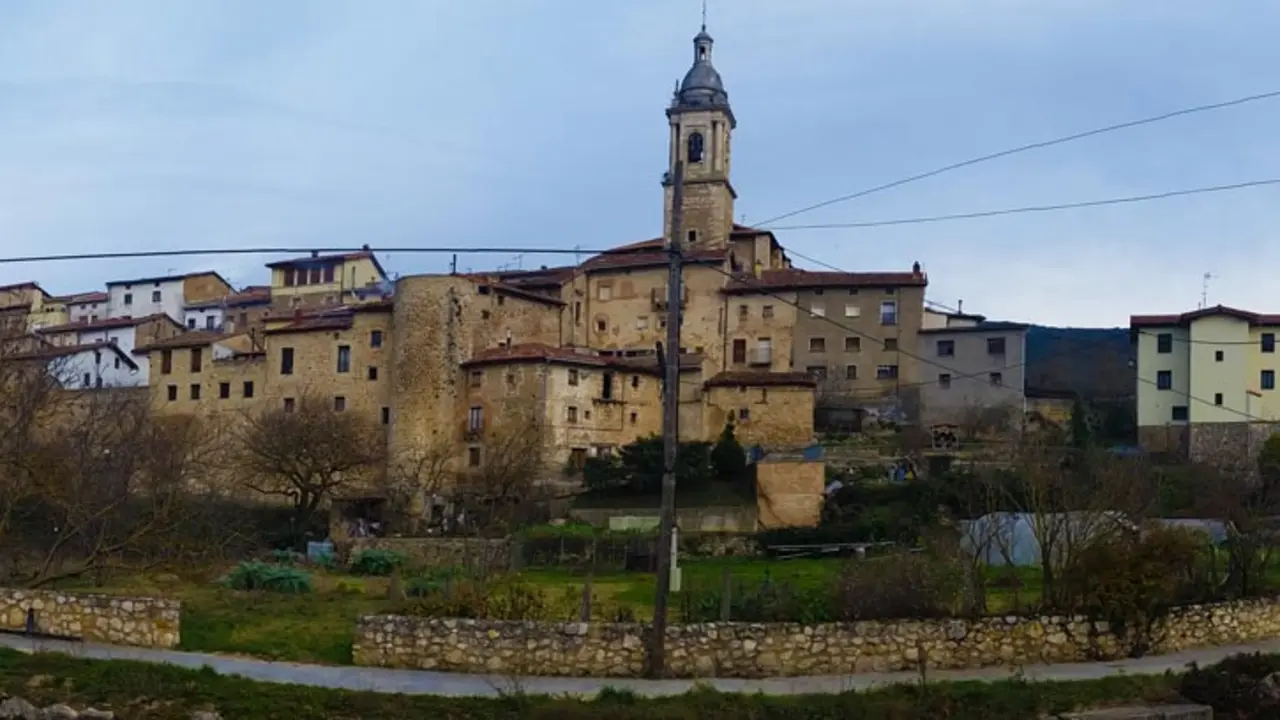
544,277
533,352
508,289
60,351
362,254
796,279
252,295
644,258
170,278
23,286
992,326
105,324
195,338
315,322
1167,320
757,378
83,298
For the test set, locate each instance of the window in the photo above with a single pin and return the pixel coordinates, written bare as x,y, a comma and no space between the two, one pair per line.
573,376
817,345
744,312
288,278
635,381
818,310
128,298
642,322
891,344
996,378
288,404
694,154
1217,398
166,362
944,380
606,386
603,325
571,415
740,350
511,381
634,418
484,314
475,418
1164,343
197,359
339,403
247,390
946,348
117,363
195,391
1268,380
477,378
315,276
328,273
173,392
1268,342
1217,356
375,338
286,361
473,457
88,380
766,311
577,312
604,292
210,322
889,312
995,346
1179,413
819,372
191,323
744,414
344,358
386,415
853,344
886,372
692,235
1164,380
850,372
155,296
373,372
98,382
224,390
851,310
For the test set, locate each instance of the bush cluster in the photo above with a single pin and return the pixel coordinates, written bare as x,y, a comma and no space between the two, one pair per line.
376,562
269,577
508,598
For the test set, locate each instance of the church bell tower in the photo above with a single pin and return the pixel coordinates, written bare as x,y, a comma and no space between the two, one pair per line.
701,129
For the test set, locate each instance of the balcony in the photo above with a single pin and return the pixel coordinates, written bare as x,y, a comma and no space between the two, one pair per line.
760,357
658,297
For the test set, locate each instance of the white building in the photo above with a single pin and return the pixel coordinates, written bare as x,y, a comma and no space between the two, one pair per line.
125,334
90,366
85,307
207,315
169,295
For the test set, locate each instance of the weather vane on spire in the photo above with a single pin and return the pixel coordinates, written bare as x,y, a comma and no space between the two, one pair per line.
704,15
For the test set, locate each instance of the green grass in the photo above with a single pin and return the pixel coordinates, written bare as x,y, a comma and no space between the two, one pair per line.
160,692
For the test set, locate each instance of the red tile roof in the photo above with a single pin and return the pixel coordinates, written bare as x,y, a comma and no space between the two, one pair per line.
252,295
59,351
362,254
757,378
83,298
315,322
613,260
1185,318
796,279
535,352
105,324
195,338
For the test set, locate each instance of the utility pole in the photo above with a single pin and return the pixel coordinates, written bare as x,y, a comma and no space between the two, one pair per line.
670,428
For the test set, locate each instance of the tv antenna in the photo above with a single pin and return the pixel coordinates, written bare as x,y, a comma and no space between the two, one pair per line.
1204,289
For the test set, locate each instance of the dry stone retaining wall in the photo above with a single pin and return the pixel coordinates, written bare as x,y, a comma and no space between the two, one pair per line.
752,650
477,553
146,622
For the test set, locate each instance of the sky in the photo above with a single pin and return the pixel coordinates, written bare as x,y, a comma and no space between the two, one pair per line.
152,124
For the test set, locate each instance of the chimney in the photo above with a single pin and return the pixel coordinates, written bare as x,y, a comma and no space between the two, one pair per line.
915,267
960,307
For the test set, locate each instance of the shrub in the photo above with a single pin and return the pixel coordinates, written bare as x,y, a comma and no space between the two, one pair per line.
1232,687
767,601
503,600
728,458
268,577
286,557
903,585
376,561
1132,580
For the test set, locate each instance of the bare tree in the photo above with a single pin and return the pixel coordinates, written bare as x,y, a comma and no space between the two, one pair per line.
308,454
414,479
513,460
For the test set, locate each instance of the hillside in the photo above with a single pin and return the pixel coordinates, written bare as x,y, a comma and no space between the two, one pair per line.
1093,362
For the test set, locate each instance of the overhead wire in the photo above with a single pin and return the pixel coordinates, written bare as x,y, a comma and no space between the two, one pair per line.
1026,148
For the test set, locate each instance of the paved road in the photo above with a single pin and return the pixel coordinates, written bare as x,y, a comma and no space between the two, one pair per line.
438,683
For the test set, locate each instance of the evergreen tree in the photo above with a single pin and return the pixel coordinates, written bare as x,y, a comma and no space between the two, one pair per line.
728,458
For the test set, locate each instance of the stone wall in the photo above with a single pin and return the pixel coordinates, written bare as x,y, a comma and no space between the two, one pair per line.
1230,446
789,492
725,518
146,622
476,553
765,650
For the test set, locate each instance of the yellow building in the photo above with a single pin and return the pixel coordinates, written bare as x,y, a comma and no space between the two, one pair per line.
1206,380
320,280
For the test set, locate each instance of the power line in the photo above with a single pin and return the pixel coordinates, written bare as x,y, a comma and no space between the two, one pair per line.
1036,208
1026,148
1190,341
